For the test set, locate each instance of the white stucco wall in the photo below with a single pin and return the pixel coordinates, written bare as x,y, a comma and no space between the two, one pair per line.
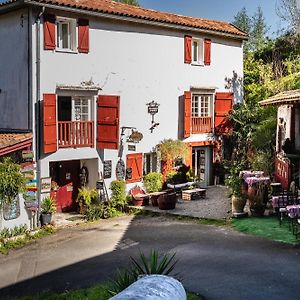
140,64
284,112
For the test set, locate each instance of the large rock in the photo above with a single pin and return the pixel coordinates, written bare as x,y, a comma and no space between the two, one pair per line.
153,287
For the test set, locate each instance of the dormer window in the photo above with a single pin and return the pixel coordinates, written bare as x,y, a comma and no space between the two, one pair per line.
66,34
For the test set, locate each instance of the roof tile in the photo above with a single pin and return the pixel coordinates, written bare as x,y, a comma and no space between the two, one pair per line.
9,139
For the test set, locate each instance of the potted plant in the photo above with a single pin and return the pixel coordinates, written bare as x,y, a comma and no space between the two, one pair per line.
238,198
85,197
153,183
48,207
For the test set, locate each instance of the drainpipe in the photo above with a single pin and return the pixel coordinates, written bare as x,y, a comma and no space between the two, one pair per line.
37,108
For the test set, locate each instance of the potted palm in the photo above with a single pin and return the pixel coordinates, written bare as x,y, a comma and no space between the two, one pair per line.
153,183
48,207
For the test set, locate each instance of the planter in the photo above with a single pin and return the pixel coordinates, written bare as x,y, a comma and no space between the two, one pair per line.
154,197
140,201
167,201
238,204
257,199
46,219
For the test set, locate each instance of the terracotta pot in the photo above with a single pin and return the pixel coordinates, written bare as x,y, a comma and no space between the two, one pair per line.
167,201
138,202
238,204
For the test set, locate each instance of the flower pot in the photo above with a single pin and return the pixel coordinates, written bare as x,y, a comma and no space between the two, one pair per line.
238,204
46,219
138,201
154,199
167,201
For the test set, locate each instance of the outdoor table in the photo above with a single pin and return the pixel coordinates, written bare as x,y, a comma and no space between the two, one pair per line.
275,200
260,180
247,173
293,211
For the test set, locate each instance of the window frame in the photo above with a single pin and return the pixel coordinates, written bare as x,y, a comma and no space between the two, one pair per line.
199,61
72,34
151,162
201,110
88,105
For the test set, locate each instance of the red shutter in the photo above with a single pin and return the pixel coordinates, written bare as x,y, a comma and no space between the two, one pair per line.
187,113
223,105
108,115
187,49
207,51
49,32
83,36
50,123
135,163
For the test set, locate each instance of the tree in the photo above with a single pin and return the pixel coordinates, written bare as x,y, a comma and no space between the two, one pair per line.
130,2
243,22
259,30
289,11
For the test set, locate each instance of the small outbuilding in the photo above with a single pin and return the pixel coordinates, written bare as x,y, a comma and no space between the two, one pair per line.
287,160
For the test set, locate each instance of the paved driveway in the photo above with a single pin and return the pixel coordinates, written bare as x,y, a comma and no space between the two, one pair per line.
214,261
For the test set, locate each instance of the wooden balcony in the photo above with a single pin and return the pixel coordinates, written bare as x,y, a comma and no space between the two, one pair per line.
75,134
201,124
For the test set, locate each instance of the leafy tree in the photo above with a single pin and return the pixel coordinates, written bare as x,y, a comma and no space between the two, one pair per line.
289,11
259,29
131,2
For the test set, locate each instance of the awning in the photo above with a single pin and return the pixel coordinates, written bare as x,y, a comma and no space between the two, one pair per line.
11,142
287,97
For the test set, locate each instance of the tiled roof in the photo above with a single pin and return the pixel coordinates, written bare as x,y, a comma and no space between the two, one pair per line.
124,10
287,97
10,139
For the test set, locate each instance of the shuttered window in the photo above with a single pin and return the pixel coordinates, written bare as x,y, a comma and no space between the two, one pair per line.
50,123
187,114
187,49
108,115
134,167
49,32
207,52
83,36
197,51
223,105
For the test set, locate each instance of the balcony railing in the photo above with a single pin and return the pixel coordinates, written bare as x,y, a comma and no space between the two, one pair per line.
73,134
201,124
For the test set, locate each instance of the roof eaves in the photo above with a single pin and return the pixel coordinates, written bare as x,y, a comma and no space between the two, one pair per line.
135,19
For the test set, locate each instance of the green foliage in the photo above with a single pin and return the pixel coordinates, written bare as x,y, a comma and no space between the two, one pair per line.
263,161
103,210
155,263
12,232
171,150
153,182
12,182
234,181
118,194
86,196
48,205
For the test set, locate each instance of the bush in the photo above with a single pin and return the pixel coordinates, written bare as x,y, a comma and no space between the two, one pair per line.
100,211
263,161
118,195
86,196
153,182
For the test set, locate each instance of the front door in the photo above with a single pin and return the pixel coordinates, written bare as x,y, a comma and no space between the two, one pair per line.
201,163
66,175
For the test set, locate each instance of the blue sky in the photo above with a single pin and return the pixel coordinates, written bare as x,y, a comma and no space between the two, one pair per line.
223,10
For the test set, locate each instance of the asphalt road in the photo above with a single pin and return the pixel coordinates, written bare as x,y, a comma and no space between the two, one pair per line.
214,261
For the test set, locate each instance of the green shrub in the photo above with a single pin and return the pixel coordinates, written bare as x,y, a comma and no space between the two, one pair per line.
155,263
86,196
153,182
118,194
48,205
103,210
263,161
173,177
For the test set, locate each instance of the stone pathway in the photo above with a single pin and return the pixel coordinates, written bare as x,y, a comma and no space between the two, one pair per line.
216,205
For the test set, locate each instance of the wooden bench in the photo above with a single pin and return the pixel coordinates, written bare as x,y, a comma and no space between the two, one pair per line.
193,194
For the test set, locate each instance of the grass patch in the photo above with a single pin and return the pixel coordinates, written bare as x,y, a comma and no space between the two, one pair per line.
267,227
6,246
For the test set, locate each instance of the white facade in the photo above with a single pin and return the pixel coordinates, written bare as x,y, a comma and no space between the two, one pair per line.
137,62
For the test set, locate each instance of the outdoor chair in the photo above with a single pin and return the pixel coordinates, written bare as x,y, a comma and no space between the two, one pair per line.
285,198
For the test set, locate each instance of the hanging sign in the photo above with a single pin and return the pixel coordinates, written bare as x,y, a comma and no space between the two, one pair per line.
131,148
135,137
107,165
152,107
120,169
27,156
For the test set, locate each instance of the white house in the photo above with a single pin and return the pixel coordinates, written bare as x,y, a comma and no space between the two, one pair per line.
81,76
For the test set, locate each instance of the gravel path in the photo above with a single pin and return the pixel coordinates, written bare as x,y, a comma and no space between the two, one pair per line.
216,205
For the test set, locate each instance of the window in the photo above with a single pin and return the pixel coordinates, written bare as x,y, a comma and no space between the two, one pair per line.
197,52
201,105
151,163
81,109
66,34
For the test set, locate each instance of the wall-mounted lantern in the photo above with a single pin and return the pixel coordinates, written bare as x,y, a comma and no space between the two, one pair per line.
153,110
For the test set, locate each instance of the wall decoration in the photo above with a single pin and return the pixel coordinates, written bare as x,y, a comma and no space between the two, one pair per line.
27,156
153,110
11,210
128,173
107,166
131,148
135,137
120,169
46,185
